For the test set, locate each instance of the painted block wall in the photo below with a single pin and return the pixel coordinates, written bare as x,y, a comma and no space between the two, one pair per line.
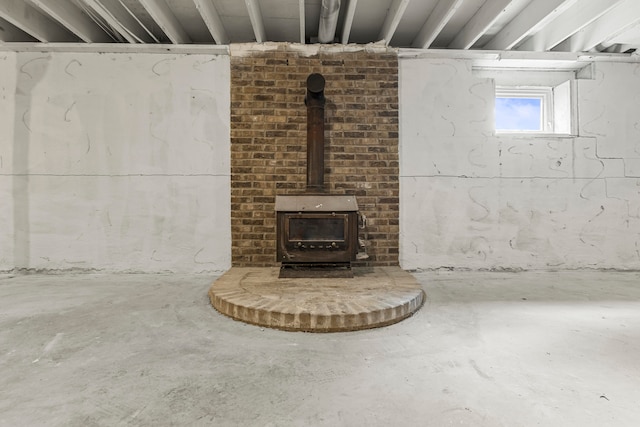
114,162
7,112
471,199
119,162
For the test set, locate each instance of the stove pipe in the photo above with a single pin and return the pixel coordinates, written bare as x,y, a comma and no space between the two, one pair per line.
315,132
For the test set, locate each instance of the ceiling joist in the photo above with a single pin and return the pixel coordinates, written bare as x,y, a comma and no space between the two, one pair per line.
33,22
10,33
118,19
535,16
255,15
392,20
73,19
166,20
489,25
439,17
479,24
572,20
609,25
212,20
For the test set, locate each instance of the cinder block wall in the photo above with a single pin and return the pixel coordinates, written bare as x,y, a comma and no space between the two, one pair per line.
114,162
473,199
268,141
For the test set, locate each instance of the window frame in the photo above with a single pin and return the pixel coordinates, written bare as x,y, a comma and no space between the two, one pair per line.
544,93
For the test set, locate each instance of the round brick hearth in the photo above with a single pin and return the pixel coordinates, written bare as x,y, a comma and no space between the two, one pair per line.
374,297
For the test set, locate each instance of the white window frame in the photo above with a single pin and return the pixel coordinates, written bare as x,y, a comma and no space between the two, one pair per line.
558,107
543,93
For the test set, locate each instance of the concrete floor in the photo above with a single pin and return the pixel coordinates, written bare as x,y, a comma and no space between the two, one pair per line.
487,349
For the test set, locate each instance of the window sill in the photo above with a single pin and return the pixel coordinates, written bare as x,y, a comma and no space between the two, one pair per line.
530,135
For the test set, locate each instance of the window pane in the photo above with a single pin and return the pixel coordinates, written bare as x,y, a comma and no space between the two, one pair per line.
518,114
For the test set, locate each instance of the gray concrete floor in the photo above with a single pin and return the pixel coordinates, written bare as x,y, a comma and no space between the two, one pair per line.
487,349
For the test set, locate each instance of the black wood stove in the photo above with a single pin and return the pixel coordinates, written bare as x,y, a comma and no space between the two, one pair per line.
317,229
317,233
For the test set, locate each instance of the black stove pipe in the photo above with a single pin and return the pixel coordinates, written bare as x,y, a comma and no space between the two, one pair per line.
314,100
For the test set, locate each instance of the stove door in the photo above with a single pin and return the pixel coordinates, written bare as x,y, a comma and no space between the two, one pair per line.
316,237
316,229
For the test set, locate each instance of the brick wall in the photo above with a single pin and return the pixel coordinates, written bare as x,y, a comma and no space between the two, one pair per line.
268,142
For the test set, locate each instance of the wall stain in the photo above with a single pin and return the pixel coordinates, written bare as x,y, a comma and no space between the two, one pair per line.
66,113
72,62
484,207
154,67
583,231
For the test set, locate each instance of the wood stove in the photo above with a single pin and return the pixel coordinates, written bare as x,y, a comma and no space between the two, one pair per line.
316,231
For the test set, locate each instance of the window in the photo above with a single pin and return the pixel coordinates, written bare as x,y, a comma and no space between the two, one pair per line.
523,109
533,109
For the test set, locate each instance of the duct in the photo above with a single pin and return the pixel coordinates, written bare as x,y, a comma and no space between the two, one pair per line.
329,12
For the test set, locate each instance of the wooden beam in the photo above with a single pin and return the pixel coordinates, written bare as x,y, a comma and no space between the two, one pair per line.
72,18
128,48
120,20
535,16
166,20
109,19
568,23
33,22
436,21
606,27
396,10
255,15
212,20
10,33
348,21
479,23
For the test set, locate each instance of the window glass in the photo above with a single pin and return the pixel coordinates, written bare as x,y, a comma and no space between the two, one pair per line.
519,114
524,109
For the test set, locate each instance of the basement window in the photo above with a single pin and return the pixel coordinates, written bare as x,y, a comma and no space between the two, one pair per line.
533,109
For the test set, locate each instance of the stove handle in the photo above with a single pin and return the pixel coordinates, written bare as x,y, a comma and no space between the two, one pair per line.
363,221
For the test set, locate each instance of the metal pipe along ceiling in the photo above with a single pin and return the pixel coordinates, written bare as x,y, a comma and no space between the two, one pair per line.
329,12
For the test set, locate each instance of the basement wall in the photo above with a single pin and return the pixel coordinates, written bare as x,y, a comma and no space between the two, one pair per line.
114,162
474,199
121,162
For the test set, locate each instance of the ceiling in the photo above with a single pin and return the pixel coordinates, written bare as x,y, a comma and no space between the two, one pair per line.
519,25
